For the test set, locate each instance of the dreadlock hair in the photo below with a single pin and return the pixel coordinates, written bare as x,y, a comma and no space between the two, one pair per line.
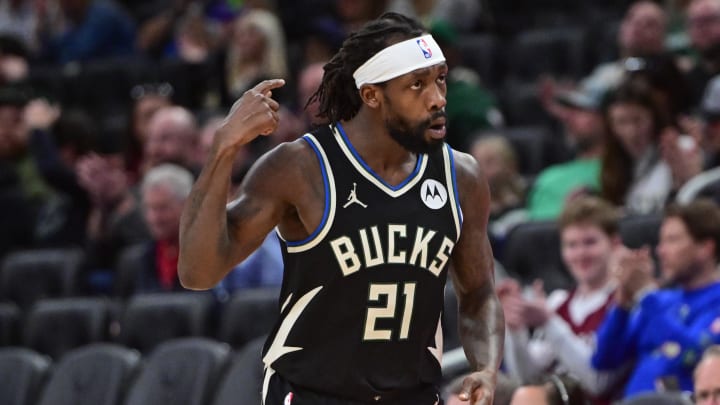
337,94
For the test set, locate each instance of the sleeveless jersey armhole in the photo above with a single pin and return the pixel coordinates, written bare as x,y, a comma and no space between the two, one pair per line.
451,181
329,210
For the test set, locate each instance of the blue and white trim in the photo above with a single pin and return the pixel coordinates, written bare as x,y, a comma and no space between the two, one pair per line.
451,181
330,203
366,171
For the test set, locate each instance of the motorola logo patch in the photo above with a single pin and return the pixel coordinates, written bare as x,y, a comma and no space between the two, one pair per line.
433,194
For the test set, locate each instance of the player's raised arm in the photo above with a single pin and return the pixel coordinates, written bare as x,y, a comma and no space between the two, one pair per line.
208,245
481,321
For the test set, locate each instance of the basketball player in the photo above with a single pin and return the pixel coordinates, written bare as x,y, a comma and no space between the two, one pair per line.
372,209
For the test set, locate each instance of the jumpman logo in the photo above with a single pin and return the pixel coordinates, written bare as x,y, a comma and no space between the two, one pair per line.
352,198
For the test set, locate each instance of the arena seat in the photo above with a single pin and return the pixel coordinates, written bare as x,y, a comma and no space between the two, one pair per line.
29,275
96,374
180,372
22,374
481,52
637,231
532,251
534,146
242,384
9,324
249,314
126,270
150,319
521,106
556,51
56,326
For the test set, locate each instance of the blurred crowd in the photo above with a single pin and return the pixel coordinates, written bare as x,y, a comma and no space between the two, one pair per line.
581,114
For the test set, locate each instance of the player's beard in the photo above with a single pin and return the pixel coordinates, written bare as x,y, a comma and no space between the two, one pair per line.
412,138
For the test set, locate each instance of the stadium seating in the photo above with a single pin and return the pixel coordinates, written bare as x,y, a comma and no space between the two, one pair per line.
532,251
96,374
9,324
55,326
150,319
249,314
637,231
22,372
180,372
482,53
29,275
242,384
556,51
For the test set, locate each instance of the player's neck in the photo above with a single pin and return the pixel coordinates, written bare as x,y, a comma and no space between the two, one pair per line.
372,141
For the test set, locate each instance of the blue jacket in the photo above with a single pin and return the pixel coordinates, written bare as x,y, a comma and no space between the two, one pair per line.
665,336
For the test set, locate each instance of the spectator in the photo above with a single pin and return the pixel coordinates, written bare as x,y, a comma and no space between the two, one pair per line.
14,65
22,189
705,378
641,34
172,138
552,390
115,220
633,173
703,25
309,81
665,331
567,319
323,38
179,31
18,18
463,14
147,99
57,141
263,268
256,52
95,29
585,129
14,150
710,110
353,14
498,161
164,190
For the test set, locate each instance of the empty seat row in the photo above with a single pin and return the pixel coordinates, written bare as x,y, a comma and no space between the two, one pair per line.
55,326
190,371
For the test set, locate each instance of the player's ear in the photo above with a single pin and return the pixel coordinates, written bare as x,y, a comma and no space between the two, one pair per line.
370,95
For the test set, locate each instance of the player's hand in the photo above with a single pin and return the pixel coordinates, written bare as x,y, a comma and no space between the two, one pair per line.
479,388
254,114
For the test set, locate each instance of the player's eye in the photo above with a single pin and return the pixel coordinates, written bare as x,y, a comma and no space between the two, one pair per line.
442,78
417,85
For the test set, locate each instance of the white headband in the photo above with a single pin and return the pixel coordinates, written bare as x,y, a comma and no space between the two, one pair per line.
399,59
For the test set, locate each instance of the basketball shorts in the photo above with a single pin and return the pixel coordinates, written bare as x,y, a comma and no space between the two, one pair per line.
283,392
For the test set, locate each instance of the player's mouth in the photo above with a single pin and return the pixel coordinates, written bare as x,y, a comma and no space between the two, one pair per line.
437,128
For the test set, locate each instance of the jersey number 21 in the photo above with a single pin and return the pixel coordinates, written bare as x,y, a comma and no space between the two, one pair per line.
390,294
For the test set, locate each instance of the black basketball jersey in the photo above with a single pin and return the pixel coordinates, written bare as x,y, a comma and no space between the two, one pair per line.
362,296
